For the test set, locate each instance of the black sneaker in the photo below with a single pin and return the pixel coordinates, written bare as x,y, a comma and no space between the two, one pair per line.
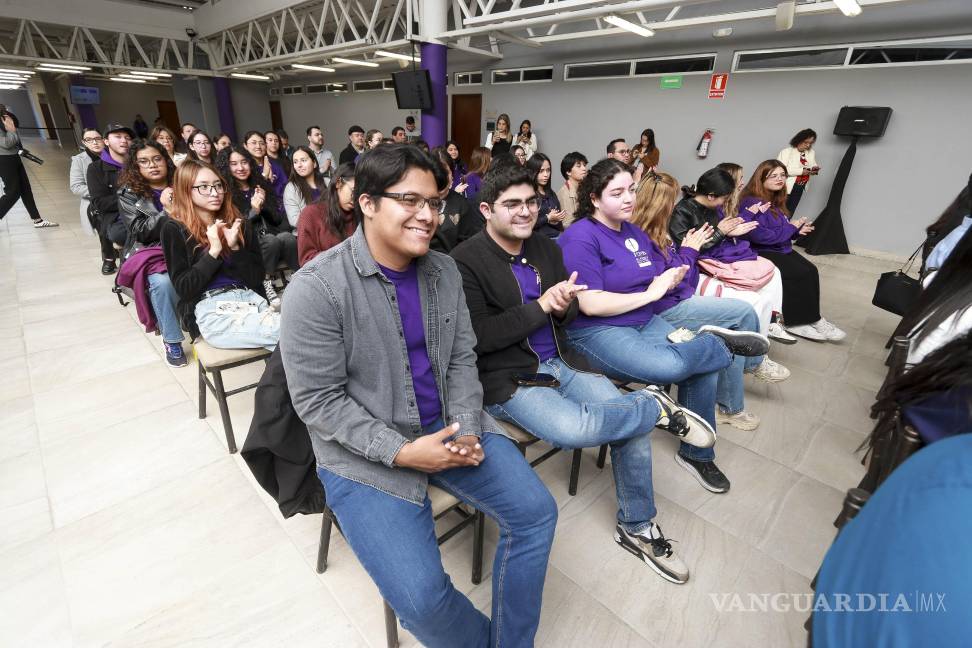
109,267
708,474
174,355
652,547
683,423
741,343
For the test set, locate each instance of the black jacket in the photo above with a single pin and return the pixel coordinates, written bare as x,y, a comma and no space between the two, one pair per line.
500,319
191,267
348,155
278,446
142,219
271,219
459,222
690,214
102,191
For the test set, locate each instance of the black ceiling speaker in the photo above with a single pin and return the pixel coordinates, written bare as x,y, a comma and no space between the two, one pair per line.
862,121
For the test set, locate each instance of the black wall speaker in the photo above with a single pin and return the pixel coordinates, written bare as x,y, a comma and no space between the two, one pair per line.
862,121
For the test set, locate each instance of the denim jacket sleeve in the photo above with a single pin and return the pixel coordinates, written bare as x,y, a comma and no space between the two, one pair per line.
463,389
313,350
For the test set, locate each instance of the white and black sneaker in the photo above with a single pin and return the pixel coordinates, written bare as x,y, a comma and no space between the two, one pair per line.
653,548
682,423
741,343
706,472
272,297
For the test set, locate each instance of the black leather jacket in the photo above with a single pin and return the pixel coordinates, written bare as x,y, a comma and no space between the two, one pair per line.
690,214
143,220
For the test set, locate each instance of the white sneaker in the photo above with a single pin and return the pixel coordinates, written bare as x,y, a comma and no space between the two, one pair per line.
808,331
681,335
769,371
778,333
828,330
741,420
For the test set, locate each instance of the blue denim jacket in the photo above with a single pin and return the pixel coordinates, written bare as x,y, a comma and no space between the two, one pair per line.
346,361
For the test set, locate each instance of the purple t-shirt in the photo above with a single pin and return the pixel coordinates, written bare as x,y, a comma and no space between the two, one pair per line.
685,289
221,279
730,249
774,233
280,179
619,262
413,323
157,198
542,340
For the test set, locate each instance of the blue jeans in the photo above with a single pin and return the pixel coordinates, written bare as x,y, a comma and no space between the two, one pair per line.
586,411
164,300
734,314
250,326
644,354
395,542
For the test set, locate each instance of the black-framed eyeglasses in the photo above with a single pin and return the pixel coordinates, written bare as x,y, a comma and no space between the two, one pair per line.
155,160
513,207
216,188
413,202
91,140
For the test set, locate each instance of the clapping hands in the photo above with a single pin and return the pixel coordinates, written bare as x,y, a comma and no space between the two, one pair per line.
558,297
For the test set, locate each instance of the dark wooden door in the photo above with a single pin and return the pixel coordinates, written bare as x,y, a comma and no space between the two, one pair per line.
276,120
170,115
467,113
49,121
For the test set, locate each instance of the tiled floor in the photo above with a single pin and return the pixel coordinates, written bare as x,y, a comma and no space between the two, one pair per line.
124,522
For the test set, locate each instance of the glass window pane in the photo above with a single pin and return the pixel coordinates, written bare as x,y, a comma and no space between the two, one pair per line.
783,60
506,76
674,66
595,70
545,74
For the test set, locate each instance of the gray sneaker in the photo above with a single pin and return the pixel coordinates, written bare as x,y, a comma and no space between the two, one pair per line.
682,423
653,548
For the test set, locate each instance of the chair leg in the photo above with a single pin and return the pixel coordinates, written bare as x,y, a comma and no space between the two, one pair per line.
324,545
602,455
224,411
478,528
575,463
391,626
202,389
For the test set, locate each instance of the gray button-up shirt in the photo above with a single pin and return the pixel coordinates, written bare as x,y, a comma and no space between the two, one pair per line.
346,360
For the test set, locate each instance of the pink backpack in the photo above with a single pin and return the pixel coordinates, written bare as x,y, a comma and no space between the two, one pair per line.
742,275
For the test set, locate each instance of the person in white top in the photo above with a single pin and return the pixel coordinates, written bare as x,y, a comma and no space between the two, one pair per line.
92,145
166,138
527,139
801,163
305,186
500,140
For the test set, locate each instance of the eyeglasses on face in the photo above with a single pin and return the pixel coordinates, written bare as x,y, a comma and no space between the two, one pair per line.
776,176
413,202
216,188
155,160
516,206
91,140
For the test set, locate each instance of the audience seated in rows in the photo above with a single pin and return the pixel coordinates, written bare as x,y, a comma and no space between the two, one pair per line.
330,219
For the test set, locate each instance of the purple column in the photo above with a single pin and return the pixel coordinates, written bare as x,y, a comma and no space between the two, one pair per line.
435,121
224,107
86,111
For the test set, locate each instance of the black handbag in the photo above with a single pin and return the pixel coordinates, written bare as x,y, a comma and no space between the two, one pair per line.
896,292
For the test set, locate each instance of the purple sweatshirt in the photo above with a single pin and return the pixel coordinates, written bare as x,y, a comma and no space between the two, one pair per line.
774,233
730,249
684,290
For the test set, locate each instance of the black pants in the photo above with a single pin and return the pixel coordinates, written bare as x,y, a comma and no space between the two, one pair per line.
109,233
794,198
16,186
801,287
276,248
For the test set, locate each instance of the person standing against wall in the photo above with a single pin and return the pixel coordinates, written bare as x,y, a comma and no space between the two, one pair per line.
356,145
645,152
800,164
315,141
92,146
574,169
141,128
500,140
16,185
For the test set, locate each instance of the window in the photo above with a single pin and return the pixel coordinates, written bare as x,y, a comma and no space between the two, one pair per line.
375,84
469,78
327,88
523,75
899,55
807,58
292,90
690,64
274,92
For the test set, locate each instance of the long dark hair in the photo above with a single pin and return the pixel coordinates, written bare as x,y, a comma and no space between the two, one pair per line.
950,218
335,217
598,178
650,134
301,183
192,152
714,182
534,164
255,178
130,175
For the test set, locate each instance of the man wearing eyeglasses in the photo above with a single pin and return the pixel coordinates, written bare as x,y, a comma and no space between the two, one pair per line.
378,350
520,299
618,149
102,187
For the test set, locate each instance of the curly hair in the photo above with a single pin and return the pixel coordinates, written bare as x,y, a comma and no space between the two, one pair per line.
597,180
131,176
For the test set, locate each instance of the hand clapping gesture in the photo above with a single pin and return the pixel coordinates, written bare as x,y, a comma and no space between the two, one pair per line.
215,240
666,281
232,234
695,239
558,297
259,197
803,227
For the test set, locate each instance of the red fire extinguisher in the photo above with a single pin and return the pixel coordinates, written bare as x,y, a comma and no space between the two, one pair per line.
703,148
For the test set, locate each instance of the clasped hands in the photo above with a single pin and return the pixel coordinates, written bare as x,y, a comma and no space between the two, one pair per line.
442,450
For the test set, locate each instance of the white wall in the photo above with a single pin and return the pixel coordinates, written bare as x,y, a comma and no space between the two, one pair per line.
18,102
251,105
336,113
120,102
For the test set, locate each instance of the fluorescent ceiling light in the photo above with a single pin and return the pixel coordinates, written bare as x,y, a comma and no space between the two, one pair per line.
9,86
315,68
849,8
58,66
12,71
129,80
395,55
255,77
353,62
46,69
338,85
150,74
15,77
137,78
630,26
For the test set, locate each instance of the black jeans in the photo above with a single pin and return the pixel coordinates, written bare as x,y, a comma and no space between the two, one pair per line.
801,287
276,248
794,198
108,233
16,186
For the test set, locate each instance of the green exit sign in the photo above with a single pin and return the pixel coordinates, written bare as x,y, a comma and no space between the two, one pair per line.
672,81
